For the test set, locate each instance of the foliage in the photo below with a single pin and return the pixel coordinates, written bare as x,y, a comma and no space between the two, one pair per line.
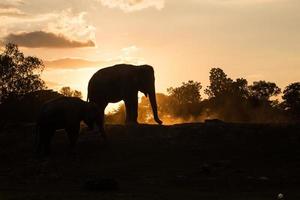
188,93
184,101
291,97
235,101
18,74
240,89
68,92
219,83
263,91
222,86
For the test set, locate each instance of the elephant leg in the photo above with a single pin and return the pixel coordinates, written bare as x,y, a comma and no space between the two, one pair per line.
73,133
102,121
131,109
44,146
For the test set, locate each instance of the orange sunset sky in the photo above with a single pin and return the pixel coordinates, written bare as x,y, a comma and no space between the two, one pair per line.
181,39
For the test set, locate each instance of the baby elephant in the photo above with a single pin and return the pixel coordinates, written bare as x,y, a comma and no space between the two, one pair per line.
65,113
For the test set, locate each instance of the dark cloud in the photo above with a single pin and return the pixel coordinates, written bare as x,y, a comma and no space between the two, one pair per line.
41,39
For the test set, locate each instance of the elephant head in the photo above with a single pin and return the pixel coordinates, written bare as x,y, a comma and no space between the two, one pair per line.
146,85
92,117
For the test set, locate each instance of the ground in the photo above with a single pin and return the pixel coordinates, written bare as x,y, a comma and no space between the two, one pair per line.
189,161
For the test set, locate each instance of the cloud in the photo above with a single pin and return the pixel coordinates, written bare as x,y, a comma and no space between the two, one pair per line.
12,2
39,39
10,11
130,55
133,5
72,25
241,2
72,63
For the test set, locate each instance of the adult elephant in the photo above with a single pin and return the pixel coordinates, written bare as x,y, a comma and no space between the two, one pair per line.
122,82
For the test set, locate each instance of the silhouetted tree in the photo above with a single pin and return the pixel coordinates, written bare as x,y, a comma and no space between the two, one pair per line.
240,89
187,93
291,97
227,98
18,74
263,91
68,92
261,107
185,100
219,83
77,93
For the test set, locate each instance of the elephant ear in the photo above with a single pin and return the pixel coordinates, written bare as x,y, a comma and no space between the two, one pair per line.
136,78
145,78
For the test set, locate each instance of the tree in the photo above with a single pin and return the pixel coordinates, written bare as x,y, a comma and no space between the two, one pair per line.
19,74
68,92
227,98
291,97
263,91
185,100
240,89
187,93
219,83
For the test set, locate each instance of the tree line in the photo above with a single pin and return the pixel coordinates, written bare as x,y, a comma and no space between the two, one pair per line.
22,92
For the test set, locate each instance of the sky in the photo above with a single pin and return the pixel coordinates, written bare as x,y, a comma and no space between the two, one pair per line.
182,40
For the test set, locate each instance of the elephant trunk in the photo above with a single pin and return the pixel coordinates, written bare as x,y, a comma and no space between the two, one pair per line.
152,98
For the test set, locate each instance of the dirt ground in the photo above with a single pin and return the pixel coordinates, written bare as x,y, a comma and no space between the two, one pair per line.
187,161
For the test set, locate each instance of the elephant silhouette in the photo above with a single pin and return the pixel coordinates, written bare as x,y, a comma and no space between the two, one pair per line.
65,113
123,82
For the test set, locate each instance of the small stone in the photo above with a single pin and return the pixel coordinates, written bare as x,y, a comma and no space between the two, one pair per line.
280,196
